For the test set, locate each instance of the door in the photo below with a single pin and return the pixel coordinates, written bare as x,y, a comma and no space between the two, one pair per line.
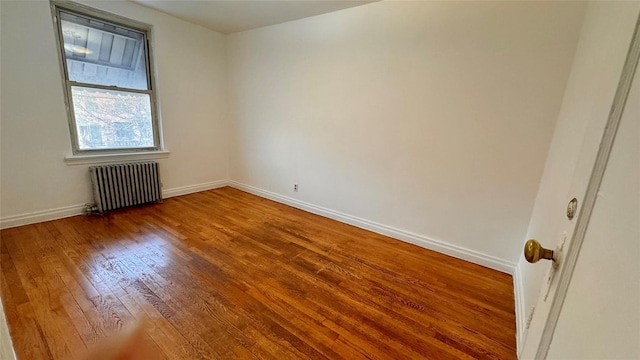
590,307
600,317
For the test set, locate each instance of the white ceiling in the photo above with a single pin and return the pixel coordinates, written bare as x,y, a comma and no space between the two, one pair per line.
238,15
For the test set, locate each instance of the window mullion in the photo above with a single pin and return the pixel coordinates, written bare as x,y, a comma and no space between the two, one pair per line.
106,87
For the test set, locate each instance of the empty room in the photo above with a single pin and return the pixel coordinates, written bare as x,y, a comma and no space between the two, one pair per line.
319,179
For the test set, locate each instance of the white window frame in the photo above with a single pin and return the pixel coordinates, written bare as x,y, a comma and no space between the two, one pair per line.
82,155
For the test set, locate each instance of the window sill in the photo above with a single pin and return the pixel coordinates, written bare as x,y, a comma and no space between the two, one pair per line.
111,158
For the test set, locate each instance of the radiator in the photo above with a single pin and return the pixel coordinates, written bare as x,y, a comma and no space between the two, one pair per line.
121,185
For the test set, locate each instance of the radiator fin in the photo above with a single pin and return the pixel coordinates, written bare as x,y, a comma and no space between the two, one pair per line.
121,185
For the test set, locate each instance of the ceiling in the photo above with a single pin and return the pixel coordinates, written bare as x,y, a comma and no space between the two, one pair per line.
238,15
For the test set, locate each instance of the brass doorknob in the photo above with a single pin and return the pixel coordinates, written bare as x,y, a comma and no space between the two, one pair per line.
533,252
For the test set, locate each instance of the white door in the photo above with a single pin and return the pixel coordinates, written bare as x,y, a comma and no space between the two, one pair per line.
591,307
600,317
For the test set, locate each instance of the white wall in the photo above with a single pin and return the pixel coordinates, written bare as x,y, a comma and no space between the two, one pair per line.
604,40
35,135
430,117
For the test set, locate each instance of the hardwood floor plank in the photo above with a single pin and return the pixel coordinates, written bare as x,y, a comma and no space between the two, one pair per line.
12,285
169,340
223,274
30,342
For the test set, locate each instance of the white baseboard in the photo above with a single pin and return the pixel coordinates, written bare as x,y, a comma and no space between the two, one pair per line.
190,189
521,312
40,216
436,245
422,241
73,210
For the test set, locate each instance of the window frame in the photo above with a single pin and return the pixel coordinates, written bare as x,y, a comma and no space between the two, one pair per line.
58,6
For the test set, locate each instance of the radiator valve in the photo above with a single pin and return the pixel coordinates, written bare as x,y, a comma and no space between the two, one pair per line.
90,209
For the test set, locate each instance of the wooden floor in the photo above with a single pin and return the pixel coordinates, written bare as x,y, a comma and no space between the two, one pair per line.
223,274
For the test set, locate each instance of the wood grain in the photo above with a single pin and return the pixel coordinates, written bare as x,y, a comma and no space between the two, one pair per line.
223,274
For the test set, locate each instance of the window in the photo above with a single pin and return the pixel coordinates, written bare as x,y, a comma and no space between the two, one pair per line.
108,80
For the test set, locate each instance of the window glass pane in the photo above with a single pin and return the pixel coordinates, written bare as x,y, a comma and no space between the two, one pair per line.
108,119
101,53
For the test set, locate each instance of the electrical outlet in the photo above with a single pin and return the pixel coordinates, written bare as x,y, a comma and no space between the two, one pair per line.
295,187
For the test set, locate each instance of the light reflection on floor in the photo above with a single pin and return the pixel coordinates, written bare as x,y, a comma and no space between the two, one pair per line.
118,262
